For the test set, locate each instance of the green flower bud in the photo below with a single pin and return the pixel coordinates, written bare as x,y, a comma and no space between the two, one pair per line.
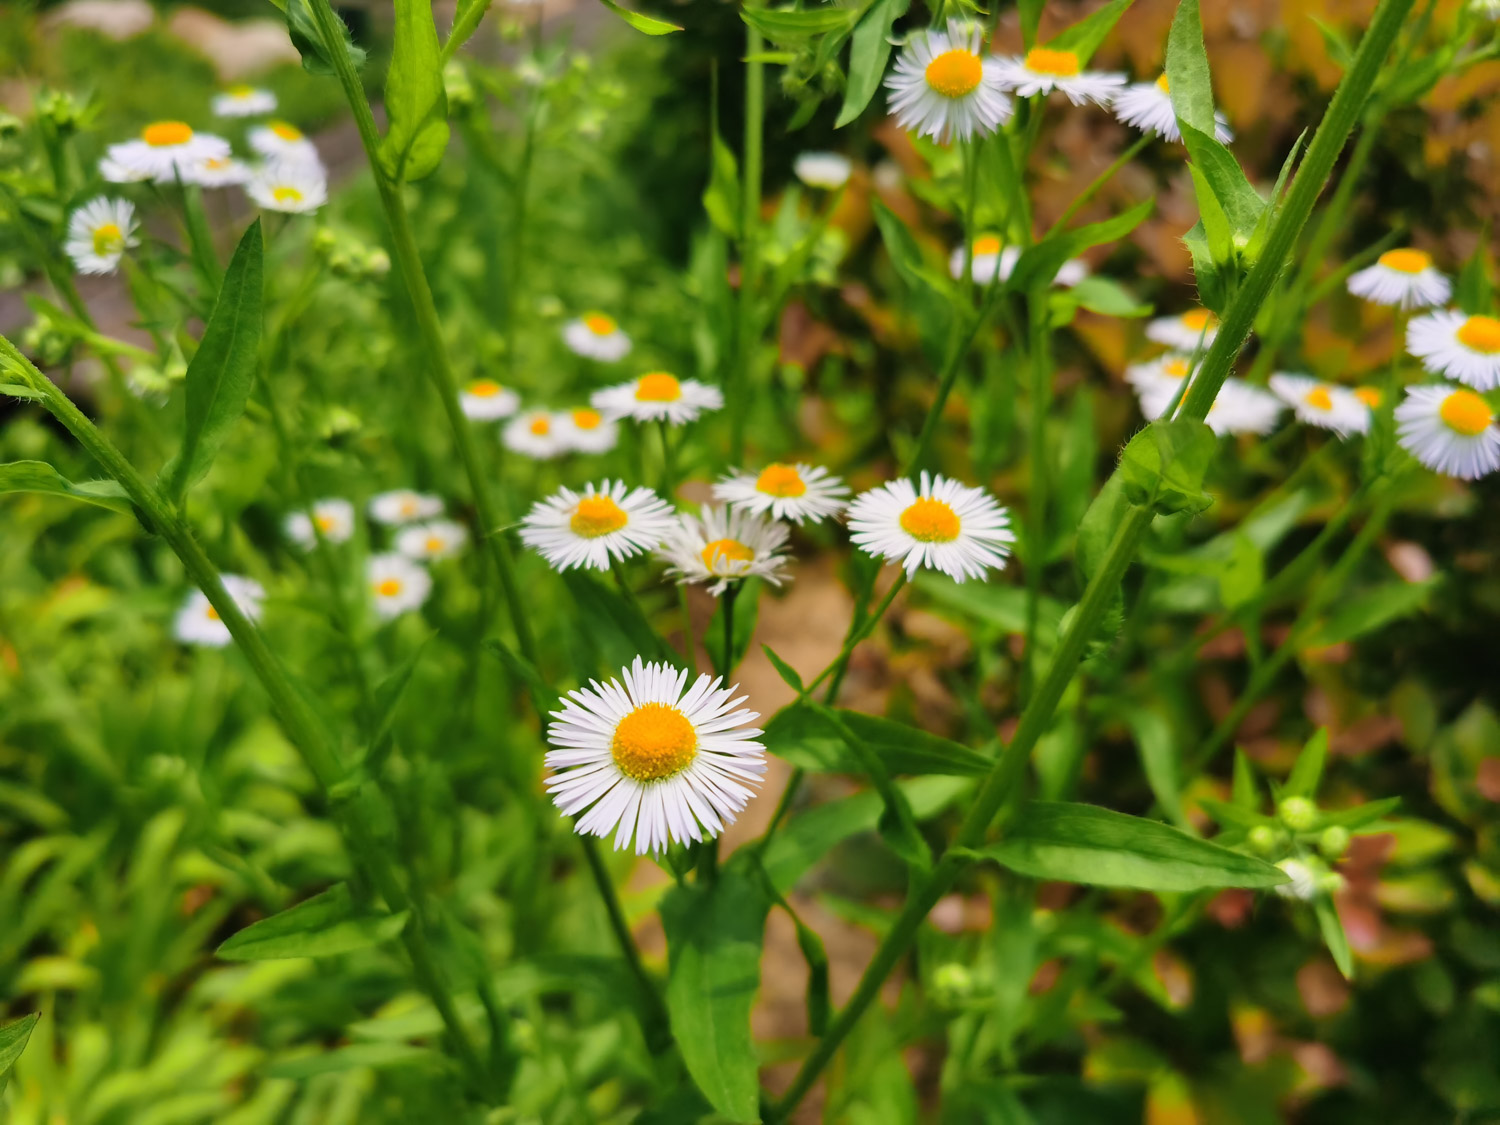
1263,839
952,984
1334,841
1298,813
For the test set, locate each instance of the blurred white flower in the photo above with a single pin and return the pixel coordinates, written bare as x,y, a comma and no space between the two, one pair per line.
658,396
1044,69
594,527
827,170
397,585
164,152
794,492
244,101
1404,278
198,622
99,233
402,505
437,539
1449,429
596,335
334,520
944,86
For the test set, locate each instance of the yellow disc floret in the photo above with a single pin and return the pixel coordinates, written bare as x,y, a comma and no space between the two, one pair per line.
1163,85
726,553
108,239
1370,396
434,544
541,425
783,481
599,324
986,246
1406,261
596,516
388,588
1481,334
484,388
586,419
658,386
955,73
1175,368
931,520
1196,320
286,194
1057,64
1466,413
1319,399
654,742
164,134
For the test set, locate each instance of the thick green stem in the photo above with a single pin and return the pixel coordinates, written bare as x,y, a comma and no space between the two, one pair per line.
746,339
657,1022
1039,369
726,607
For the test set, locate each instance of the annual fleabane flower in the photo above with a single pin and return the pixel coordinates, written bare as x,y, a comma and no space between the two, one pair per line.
278,141
594,527
1450,430
198,622
1147,106
331,519
1162,375
397,585
244,101
652,762
534,434
485,400
402,505
1321,404
585,430
658,395
1304,880
596,335
217,171
937,523
991,259
944,86
1183,332
1404,278
1044,69
786,491
826,170
99,233
165,151
1466,348
1243,409
291,186
724,545
436,539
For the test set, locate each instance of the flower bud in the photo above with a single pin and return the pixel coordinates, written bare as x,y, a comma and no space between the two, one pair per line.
1298,813
1263,838
1334,841
952,984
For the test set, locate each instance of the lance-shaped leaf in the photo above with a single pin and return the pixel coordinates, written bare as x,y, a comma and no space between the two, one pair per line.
13,1037
869,51
792,26
38,476
646,25
415,100
804,738
1039,264
466,19
322,926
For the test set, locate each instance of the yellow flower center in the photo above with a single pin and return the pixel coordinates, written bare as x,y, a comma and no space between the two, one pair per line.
434,544
240,91
599,324
1481,334
216,163
407,506
1196,320
325,523
587,419
596,516
286,132
211,613
164,134
1319,399
388,588
722,552
1406,261
658,386
1163,85
286,194
484,388
1466,413
1058,64
986,246
654,742
955,73
931,521
541,425
780,480
1370,396
108,239
1175,368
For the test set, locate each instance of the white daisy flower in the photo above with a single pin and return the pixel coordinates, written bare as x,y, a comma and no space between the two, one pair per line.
1238,409
198,622
397,584
332,519
941,524
1404,278
217,171
402,505
794,492
535,434
991,259
826,170
485,400
1147,106
652,762
99,233
724,545
1321,404
593,527
596,336
164,151
1449,429
1183,332
1162,375
944,86
244,101
1304,880
1044,69
586,430
278,141
436,539
294,187
658,395
1466,348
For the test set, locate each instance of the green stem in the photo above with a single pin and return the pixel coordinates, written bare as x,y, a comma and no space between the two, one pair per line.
200,238
1100,180
658,1025
689,643
841,662
1039,370
745,336
726,608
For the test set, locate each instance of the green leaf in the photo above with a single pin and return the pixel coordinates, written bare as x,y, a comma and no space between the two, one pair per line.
1163,466
1333,935
1305,775
1039,264
788,674
466,19
1003,607
614,625
38,476
1031,19
415,100
788,25
646,25
1359,815
222,370
1335,42
1160,760
1087,844
1244,792
721,198
1188,79
898,824
1240,576
905,254
1475,293
869,51
303,30
1371,610
13,1037
322,926
1103,296
714,936
21,390
798,734
388,695
543,698
356,1056
1084,37
746,612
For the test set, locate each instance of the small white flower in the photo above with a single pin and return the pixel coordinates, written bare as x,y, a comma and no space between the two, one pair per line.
165,151
1466,348
198,622
1449,429
437,539
658,395
1487,8
724,545
1183,332
944,86
991,258
331,519
586,430
1238,409
1320,404
278,142
652,762
596,526
596,336
99,233
941,524
1147,106
1044,69
1304,880
1162,375
794,492
217,171
403,505
294,187
244,101
397,585
533,433
1404,278
485,400
826,170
